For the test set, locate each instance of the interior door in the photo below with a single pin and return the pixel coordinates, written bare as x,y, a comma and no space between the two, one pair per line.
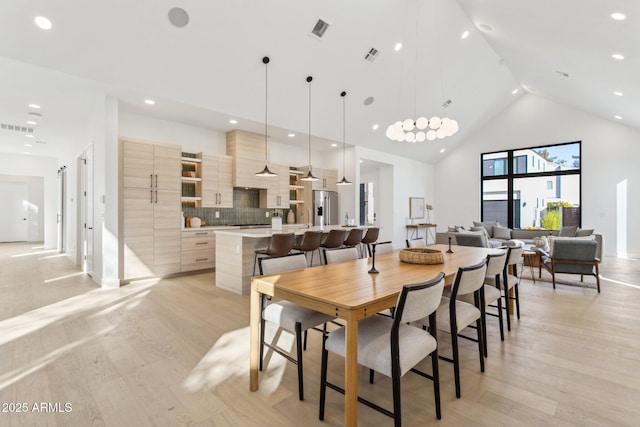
13,215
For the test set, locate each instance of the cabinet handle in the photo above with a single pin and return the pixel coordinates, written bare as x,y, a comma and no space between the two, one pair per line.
156,180
202,243
201,259
151,196
156,196
203,233
151,178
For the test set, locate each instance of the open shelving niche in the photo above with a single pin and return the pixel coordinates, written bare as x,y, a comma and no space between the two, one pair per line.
296,195
191,185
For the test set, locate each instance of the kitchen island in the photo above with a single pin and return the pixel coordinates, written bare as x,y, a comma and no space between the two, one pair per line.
235,251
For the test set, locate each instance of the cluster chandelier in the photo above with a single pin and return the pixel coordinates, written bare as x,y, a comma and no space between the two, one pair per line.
418,130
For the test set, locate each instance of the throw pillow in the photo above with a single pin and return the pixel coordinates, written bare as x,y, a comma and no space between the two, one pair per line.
502,233
488,225
584,232
482,230
568,231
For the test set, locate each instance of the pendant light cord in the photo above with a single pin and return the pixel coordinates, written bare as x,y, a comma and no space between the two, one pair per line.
309,80
266,104
344,131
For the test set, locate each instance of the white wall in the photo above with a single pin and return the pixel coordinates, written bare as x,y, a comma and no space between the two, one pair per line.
610,151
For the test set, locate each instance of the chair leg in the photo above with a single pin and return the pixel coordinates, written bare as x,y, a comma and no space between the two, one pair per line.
483,318
598,277
304,345
371,375
481,343
299,351
323,380
255,261
262,325
507,309
436,381
311,264
397,404
456,361
517,301
553,278
500,320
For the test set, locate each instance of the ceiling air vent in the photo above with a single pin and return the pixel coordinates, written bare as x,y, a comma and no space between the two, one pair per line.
320,28
34,114
562,74
446,103
16,128
371,55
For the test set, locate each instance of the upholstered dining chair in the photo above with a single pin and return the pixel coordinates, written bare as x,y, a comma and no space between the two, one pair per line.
354,237
371,236
416,243
496,267
510,281
393,347
310,243
335,256
572,257
454,315
280,244
334,239
287,315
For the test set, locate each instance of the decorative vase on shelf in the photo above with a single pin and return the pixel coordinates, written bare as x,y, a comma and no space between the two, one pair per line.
291,217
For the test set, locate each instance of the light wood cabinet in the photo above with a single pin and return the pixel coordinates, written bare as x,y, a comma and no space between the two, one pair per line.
150,209
217,185
198,250
276,195
327,179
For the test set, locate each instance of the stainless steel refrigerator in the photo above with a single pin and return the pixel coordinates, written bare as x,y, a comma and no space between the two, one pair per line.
325,208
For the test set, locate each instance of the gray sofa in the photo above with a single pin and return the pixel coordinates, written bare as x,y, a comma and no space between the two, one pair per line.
524,235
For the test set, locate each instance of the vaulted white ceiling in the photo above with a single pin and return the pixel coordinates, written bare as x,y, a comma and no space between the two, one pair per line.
211,70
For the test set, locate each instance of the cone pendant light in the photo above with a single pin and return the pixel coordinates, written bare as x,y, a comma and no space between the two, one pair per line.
309,176
266,172
344,180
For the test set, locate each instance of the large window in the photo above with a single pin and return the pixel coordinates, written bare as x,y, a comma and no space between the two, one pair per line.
537,187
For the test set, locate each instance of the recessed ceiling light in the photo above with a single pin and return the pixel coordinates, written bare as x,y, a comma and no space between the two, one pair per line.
28,145
29,135
618,16
31,122
617,93
334,145
397,47
513,92
150,102
375,127
291,135
485,27
465,35
618,56
618,117
442,150
369,100
26,152
42,22
178,17
233,121
36,106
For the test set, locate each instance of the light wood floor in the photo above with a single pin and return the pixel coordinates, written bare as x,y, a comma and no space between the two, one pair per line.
175,352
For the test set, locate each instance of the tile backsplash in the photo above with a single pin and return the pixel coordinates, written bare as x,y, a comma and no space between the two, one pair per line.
245,210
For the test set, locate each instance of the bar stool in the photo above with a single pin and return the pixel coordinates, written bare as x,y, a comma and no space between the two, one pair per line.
310,242
334,239
353,238
279,245
370,237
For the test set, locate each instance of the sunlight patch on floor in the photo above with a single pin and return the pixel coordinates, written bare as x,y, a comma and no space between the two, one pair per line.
49,251
55,279
31,321
228,359
15,375
618,282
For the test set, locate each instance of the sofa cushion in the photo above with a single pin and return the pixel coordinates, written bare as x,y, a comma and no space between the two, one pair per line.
488,225
584,232
553,239
568,231
502,233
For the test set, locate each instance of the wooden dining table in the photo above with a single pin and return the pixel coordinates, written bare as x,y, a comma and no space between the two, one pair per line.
349,292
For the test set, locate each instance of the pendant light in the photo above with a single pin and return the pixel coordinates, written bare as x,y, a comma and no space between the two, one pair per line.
309,176
344,180
266,172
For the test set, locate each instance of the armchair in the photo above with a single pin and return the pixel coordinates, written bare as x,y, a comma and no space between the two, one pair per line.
572,257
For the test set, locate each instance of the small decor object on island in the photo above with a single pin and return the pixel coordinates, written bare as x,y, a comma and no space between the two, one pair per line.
276,222
346,218
195,222
291,217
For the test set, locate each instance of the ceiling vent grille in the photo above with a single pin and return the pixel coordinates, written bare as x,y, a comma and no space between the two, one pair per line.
320,28
16,128
446,103
371,55
34,114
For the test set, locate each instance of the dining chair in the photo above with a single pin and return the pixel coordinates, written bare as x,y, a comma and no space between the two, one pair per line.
287,315
310,243
393,347
334,239
454,315
510,281
280,244
371,236
416,243
335,256
496,267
